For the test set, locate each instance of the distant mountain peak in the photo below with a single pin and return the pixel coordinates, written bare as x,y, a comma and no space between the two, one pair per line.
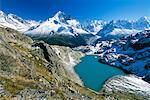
2,13
15,17
59,13
93,26
59,24
15,22
144,18
61,16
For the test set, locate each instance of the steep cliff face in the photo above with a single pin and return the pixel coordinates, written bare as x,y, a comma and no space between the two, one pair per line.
35,70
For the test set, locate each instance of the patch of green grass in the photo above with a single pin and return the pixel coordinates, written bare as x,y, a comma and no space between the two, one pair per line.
6,62
16,84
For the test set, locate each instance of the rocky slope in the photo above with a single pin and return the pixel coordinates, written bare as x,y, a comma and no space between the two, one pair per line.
131,54
35,70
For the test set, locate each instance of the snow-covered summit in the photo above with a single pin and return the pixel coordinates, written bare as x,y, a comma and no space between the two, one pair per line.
61,16
61,24
120,28
93,26
1,13
15,22
145,18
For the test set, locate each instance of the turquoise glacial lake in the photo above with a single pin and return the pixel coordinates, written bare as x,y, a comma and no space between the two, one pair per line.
94,74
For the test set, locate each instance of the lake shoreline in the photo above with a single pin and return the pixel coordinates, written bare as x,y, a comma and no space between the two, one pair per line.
100,75
125,71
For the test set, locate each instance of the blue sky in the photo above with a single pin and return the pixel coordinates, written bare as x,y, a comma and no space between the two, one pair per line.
79,9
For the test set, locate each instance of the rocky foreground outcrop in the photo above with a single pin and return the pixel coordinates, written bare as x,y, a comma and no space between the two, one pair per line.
35,70
128,84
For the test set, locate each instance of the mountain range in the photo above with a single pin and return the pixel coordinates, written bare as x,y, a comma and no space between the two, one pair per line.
62,29
120,28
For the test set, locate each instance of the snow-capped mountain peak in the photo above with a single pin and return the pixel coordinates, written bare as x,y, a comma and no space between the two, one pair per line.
17,19
15,22
60,23
120,28
145,18
59,15
61,29
2,13
93,26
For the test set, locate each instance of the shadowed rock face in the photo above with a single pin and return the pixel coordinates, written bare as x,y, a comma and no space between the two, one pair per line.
34,70
45,52
62,40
